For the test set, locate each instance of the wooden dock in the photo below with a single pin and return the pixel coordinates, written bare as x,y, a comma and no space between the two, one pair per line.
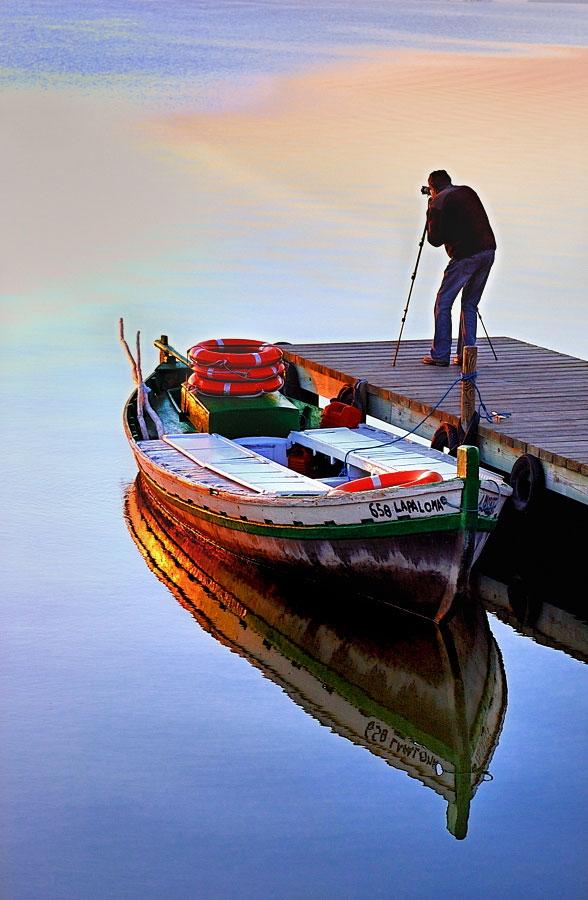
545,392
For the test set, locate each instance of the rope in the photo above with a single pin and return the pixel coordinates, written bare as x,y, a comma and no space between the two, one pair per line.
472,377
244,373
479,508
488,416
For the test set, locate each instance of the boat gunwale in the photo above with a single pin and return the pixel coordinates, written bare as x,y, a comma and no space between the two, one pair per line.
445,522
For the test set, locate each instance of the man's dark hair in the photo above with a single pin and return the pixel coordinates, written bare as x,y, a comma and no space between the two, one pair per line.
439,179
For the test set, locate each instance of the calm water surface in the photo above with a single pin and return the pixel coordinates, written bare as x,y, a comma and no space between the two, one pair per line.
254,168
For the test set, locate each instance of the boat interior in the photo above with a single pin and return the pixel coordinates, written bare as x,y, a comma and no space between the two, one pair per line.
261,463
256,445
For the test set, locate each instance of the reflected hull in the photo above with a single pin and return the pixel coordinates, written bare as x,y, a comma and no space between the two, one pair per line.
532,577
430,700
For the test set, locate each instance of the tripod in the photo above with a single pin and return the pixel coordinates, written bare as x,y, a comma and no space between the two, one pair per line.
412,280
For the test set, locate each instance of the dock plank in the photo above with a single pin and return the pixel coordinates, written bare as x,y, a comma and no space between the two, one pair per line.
545,391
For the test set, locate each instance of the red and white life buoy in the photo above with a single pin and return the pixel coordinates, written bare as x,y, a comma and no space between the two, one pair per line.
235,388
237,352
220,373
390,479
235,366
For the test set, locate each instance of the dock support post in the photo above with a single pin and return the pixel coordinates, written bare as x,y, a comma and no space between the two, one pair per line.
468,389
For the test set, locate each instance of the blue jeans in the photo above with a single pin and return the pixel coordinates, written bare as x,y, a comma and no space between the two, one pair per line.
471,274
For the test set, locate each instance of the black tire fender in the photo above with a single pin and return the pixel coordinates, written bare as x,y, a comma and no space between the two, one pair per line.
446,436
527,480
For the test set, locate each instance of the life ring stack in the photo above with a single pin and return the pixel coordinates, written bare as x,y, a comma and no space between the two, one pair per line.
235,367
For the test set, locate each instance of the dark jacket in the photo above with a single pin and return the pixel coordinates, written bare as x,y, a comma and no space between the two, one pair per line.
457,219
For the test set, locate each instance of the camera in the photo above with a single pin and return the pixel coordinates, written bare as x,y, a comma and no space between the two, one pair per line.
426,190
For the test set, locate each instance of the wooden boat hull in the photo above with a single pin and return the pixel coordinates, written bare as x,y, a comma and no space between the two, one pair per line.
422,572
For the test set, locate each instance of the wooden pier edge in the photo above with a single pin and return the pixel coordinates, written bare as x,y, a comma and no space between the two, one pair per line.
565,473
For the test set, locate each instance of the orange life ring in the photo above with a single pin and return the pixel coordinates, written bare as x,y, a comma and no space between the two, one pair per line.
390,479
236,388
238,352
220,373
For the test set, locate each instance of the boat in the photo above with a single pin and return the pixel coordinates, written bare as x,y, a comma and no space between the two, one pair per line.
352,500
428,699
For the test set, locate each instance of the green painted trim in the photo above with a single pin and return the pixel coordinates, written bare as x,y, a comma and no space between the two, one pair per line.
469,460
364,531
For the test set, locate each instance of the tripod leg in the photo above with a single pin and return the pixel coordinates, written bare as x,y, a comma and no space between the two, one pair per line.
487,336
412,277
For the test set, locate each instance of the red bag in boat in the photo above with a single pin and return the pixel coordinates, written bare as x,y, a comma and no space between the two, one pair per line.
301,460
340,415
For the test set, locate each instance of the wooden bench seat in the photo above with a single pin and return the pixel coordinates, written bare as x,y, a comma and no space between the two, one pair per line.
243,466
362,449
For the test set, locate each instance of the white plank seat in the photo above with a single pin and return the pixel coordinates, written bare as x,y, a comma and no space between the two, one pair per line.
243,466
363,445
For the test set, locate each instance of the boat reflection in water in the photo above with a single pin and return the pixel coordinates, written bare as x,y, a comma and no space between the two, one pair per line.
428,699
529,576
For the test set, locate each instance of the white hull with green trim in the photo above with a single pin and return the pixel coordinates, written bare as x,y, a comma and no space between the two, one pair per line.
417,542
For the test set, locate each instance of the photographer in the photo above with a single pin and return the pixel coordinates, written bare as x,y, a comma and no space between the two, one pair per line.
456,218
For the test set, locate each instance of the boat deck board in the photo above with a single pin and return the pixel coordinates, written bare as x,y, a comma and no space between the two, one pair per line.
241,466
178,464
545,392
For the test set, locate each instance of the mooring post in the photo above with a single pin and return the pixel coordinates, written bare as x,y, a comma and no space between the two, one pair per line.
163,355
468,389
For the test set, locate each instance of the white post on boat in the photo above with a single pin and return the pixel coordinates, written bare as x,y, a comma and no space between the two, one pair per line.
468,388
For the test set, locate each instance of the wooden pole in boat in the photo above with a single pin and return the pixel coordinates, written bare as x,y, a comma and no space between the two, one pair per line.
142,389
169,350
163,354
468,388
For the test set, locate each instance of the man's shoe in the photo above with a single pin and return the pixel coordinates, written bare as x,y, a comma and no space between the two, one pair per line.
429,361
457,360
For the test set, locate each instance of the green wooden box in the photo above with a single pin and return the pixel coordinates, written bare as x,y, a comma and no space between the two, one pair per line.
234,417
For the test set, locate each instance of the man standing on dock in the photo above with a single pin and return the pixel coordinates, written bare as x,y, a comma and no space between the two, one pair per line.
456,218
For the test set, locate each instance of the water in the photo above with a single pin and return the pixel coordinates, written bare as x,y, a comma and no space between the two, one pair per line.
254,169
